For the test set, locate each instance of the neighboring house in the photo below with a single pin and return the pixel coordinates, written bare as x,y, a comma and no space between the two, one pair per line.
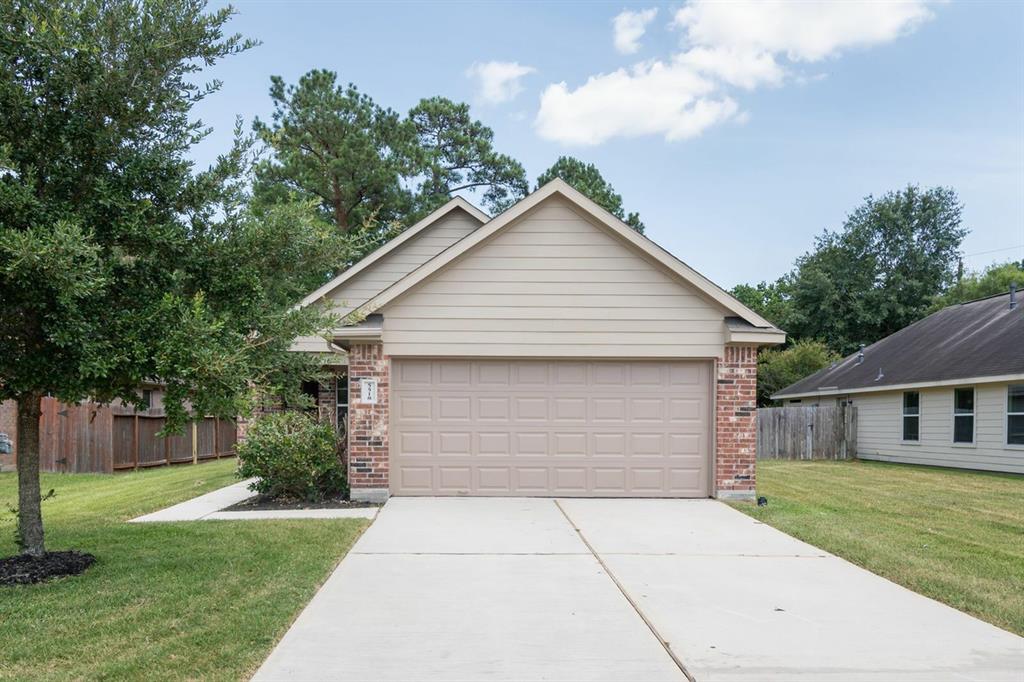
947,390
550,350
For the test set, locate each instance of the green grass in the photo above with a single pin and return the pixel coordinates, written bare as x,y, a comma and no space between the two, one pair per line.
955,536
194,600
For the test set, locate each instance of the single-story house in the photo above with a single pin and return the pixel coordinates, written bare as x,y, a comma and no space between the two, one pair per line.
550,350
948,390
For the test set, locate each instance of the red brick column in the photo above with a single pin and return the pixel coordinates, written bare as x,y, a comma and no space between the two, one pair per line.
736,423
368,464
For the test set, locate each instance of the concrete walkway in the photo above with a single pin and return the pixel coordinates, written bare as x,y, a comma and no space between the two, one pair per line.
208,508
534,589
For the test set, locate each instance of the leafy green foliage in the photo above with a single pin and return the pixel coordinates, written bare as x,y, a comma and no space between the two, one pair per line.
995,279
294,456
880,273
119,263
770,300
587,179
457,154
369,167
778,368
333,143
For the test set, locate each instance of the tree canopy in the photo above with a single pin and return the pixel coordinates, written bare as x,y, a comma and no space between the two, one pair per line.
371,167
778,368
334,143
457,154
119,263
995,279
587,179
879,273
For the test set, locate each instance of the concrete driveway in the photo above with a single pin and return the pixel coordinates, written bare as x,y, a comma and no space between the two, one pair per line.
646,590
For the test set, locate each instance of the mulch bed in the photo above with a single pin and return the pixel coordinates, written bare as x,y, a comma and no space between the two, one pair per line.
263,503
25,570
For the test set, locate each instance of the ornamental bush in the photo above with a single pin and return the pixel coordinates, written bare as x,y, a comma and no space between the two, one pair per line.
294,457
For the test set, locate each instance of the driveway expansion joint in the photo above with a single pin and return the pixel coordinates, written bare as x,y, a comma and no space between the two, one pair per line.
636,607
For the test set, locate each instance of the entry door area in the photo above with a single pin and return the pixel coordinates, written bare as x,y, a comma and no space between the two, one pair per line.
624,428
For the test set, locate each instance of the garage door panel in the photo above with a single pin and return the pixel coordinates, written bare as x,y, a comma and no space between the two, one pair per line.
531,443
494,444
416,443
452,479
416,479
570,444
651,410
451,408
494,479
493,408
550,427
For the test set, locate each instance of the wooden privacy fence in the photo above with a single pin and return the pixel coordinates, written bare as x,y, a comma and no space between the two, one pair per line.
90,437
807,432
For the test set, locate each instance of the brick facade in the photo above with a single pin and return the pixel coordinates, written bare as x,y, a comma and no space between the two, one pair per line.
368,464
736,423
9,426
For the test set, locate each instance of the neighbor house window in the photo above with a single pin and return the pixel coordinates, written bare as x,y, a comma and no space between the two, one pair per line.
1015,414
963,415
911,416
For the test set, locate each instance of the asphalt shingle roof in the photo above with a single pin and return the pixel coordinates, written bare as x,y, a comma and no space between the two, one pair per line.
975,339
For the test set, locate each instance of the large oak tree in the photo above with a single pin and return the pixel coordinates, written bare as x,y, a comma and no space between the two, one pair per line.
119,263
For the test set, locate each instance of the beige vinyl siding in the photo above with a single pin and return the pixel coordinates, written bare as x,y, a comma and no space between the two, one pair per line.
554,284
403,260
879,430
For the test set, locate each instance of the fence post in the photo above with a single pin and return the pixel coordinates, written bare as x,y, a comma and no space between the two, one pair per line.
195,442
167,446
135,442
216,437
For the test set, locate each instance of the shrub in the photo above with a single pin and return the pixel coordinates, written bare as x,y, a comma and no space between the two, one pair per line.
294,457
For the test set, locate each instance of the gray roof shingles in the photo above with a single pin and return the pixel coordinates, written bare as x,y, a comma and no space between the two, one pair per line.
975,339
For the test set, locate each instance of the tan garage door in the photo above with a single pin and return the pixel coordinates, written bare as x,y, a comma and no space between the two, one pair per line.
567,428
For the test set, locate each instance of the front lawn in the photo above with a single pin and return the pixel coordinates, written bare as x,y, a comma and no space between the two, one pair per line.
193,600
955,536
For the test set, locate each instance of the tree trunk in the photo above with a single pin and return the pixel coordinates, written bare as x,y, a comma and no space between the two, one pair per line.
30,517
340,214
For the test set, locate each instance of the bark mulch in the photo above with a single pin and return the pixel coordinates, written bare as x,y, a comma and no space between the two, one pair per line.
25,570
262,503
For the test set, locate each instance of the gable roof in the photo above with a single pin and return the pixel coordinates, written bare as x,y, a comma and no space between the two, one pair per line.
457,203
593,210
973,340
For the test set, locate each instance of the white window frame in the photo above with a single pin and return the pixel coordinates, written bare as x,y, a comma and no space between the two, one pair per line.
903,419
973,414
1006,421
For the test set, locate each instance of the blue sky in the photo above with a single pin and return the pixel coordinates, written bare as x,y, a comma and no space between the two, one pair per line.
737,137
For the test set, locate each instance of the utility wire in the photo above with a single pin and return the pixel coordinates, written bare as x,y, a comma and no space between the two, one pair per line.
982,253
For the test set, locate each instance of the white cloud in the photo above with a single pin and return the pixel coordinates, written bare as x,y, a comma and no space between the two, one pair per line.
630,28
498,82
650,98
736,66
803,31
744,44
